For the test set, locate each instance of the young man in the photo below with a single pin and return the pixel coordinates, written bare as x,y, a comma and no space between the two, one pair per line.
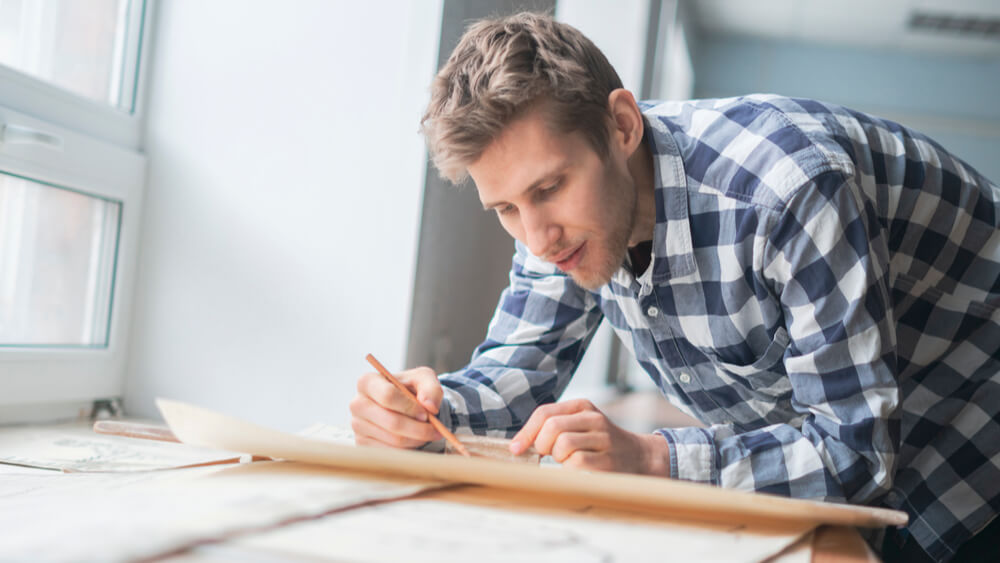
817,285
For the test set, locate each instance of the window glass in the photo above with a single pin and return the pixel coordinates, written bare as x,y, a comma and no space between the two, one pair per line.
57,258
81,46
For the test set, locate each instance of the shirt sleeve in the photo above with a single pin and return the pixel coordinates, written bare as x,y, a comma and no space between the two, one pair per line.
826,261
540,330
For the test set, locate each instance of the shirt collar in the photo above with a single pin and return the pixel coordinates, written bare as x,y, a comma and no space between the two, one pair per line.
673,256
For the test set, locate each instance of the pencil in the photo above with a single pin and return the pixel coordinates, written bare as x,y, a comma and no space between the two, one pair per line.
430,416
158,433
135,430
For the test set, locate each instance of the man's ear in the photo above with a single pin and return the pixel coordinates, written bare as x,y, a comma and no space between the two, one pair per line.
627,121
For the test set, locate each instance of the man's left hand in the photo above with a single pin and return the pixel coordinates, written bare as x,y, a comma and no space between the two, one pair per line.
577,434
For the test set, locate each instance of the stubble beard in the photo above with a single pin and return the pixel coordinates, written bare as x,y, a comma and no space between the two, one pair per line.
610,250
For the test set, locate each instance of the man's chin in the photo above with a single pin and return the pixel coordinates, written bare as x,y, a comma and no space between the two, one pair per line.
590,281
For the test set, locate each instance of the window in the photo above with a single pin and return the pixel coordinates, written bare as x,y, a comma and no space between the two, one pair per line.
81,47
57,256
71,185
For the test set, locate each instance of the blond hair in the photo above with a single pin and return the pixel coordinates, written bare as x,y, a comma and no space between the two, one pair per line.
502,67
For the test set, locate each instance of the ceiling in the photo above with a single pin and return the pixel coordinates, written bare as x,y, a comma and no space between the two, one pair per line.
861,23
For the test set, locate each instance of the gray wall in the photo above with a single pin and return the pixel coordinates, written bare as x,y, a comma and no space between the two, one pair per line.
463,254
952,98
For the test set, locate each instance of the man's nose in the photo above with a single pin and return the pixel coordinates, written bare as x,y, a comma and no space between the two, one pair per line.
540,232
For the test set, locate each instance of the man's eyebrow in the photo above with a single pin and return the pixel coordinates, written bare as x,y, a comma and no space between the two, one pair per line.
546,177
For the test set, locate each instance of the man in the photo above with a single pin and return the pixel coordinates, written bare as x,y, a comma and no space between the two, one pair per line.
817,285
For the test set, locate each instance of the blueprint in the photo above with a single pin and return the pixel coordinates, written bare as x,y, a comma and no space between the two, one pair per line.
422,530
52,516
76,447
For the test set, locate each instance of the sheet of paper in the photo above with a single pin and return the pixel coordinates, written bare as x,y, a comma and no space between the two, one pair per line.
799,552
328,433
430,531
128,516
203,427
496,448
76,447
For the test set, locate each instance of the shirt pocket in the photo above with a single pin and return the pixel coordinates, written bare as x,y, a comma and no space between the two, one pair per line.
766,374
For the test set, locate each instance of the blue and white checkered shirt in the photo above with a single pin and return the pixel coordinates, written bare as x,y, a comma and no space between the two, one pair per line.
822,294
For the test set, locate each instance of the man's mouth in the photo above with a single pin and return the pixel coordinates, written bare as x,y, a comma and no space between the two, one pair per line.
569,260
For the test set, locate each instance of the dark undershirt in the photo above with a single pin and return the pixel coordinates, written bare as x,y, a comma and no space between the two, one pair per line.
640,254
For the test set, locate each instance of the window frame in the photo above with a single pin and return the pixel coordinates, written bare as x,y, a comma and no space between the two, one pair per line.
33,96
93,149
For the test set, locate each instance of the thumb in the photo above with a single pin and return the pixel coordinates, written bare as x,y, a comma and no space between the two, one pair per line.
430,400
426,387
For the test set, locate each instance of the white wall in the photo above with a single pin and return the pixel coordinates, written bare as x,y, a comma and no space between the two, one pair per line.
617,28
285,179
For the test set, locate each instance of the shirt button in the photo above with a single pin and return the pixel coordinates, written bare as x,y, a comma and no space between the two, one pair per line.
652,311
892,497
685,378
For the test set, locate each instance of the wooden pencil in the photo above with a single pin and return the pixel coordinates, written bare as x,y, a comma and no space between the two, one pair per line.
158,433
135,430
430,416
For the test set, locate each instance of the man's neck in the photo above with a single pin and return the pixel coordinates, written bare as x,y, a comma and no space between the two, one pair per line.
640,165
641,255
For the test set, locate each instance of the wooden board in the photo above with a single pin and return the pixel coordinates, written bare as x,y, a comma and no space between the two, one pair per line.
202,427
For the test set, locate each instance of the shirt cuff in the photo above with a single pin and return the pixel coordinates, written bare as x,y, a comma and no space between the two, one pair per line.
692,454
445,415
446,410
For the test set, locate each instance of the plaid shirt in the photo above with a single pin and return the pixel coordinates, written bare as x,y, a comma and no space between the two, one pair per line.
822,294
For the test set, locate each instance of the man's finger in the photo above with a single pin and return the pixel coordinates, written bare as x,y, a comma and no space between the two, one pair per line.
568,444
425,385
366,409
591,461
556,425
385,394
367,433
529,432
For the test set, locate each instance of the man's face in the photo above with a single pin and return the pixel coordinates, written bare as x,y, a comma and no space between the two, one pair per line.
557,196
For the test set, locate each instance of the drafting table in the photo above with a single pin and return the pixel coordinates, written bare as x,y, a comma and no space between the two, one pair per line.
428,523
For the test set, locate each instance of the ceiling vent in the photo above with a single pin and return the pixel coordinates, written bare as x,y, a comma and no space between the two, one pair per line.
971,27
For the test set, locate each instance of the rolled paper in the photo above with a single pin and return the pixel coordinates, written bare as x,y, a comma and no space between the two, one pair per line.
494,448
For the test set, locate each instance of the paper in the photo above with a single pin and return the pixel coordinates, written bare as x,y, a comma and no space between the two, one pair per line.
432,530
128,516
76,447
203,427
799,552
484,446
328,433
495,448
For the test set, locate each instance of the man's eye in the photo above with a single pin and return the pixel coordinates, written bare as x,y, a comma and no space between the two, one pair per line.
506,209
548,191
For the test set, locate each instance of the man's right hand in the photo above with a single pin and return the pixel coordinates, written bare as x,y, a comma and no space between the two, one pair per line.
382,415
